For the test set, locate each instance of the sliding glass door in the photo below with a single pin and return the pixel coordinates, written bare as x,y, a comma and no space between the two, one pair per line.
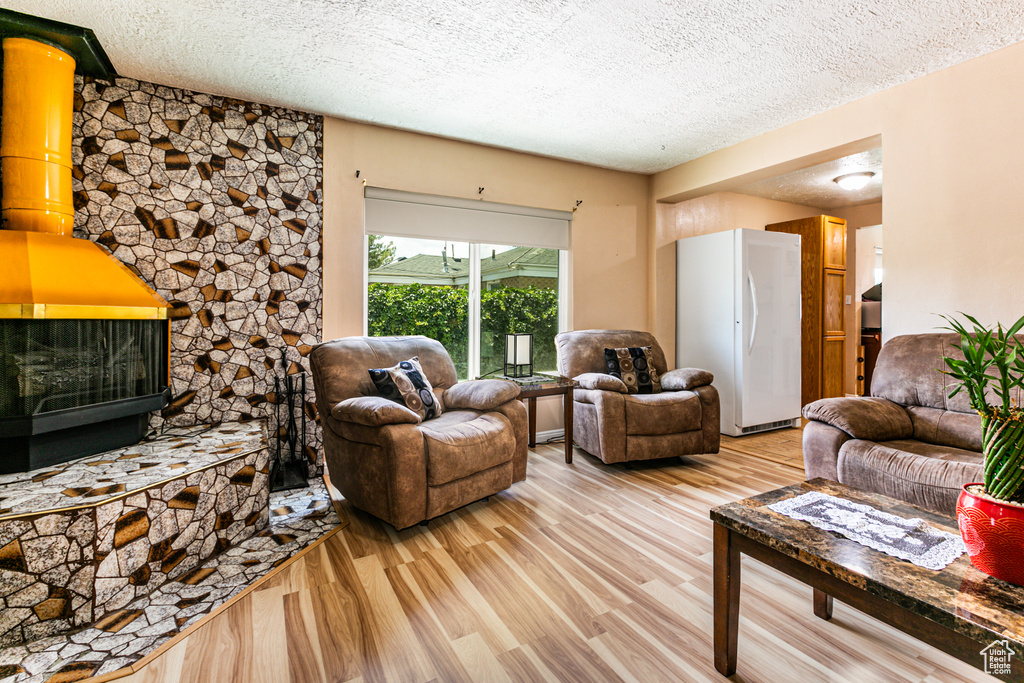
518,293
466,272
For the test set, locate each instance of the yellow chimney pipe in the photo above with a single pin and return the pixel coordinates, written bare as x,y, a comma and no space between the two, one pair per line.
35,147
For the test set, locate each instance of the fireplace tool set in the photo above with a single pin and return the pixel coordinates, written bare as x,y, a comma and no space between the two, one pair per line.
289,467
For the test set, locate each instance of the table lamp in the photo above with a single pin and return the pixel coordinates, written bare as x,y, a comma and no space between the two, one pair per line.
518,354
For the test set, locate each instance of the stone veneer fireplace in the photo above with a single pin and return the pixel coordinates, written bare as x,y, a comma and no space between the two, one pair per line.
216,203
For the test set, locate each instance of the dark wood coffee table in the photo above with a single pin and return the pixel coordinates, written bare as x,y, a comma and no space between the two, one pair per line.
959,609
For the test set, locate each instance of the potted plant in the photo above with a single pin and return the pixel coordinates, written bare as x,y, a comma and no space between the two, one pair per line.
990,514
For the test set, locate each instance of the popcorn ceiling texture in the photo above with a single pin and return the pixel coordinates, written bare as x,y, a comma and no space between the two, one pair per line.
638,86
217,204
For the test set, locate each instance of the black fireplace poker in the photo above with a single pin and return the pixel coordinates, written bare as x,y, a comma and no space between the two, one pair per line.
289,468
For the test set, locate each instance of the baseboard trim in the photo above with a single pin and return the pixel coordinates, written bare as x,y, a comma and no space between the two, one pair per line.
550,434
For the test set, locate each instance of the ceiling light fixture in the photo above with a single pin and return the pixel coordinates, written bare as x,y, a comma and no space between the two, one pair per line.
853,181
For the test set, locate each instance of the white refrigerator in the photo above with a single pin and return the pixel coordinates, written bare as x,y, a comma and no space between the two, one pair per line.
738,315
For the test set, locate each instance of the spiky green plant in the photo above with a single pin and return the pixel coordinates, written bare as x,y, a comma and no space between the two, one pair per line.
993,360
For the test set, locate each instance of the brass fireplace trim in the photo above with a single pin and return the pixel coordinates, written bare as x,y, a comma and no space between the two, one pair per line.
61,312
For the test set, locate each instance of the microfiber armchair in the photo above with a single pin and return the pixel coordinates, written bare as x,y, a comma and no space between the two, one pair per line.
616,426
908,440
388,462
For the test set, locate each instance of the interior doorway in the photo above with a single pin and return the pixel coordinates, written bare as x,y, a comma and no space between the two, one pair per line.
820,190
869,276
802,187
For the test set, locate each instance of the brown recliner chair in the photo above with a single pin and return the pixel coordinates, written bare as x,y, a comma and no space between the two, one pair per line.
385,461
616,426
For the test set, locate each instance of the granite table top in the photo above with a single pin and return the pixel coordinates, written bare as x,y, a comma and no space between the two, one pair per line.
90,480
541,381
958,597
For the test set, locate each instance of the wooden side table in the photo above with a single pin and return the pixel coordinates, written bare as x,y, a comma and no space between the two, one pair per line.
531,390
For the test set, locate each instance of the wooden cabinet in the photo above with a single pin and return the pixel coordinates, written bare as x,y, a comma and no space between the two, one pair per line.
823,278
834,253
833,313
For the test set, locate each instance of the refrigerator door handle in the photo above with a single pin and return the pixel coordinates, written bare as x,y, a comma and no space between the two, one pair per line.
753,303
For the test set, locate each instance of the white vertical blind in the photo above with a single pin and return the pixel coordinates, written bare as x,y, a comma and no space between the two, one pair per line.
409,214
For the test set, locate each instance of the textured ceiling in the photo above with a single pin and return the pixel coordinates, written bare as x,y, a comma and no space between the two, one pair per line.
638,85
815,185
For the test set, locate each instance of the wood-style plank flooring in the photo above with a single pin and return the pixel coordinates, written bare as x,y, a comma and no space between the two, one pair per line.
782,446
583,572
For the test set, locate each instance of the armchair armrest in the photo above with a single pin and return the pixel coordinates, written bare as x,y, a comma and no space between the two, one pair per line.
480,394
373,411
597,381
863,417
685,379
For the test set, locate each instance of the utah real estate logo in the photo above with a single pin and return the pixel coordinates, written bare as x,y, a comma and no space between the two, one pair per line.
998,658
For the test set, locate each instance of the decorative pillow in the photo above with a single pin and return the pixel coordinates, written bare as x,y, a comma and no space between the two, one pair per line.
631,365
406,384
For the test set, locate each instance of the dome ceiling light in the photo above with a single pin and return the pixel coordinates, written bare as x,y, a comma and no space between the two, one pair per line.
854,181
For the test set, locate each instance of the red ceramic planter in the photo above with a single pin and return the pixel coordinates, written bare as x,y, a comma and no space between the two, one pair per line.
994,535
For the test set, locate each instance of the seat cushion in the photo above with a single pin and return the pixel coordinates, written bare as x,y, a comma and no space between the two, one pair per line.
920,473
464,442
669,412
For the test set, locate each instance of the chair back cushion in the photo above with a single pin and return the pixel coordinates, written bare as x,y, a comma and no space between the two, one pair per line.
583,350
341,367
908,372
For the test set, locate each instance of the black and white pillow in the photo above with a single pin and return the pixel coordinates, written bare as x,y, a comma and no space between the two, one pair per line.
633,367
406,384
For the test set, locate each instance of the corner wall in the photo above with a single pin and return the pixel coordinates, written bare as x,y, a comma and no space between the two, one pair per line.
609,244
953,171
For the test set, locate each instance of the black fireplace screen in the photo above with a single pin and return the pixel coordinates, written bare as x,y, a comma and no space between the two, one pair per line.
50,365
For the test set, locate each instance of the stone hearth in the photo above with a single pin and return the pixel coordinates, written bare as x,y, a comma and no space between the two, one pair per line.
122,639
81,540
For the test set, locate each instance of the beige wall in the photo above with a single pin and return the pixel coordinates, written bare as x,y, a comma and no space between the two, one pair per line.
953,170
609,251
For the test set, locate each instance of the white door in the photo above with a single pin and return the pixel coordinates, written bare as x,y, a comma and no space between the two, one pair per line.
768,353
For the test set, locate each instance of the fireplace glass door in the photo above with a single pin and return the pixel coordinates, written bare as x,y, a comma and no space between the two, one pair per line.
57,365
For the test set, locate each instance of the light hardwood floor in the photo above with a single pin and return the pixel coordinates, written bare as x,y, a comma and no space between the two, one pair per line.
583,572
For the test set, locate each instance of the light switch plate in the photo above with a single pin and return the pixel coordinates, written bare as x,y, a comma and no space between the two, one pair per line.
849,299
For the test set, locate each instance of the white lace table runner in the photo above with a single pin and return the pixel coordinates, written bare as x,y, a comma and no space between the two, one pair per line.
908,539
